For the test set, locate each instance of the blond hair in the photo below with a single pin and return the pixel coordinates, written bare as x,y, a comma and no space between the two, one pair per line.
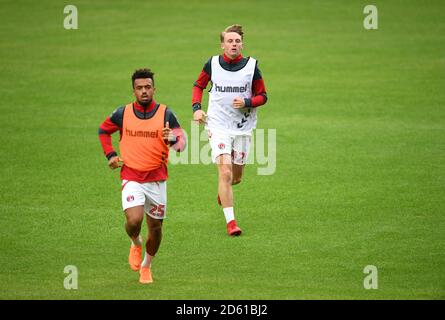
233,28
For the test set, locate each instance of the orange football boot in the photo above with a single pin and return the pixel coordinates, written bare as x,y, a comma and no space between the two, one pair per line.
135,257
145,275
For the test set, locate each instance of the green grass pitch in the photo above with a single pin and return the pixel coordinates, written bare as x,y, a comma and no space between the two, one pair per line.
360,176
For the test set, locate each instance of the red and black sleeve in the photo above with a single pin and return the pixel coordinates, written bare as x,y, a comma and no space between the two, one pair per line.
259,94
111,124
180,143
201,84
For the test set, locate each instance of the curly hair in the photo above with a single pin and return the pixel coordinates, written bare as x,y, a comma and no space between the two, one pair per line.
143,73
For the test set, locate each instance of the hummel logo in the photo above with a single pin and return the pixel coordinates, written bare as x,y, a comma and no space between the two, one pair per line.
230,89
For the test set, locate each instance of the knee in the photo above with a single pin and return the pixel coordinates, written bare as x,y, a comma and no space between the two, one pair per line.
155,230
225,175
237,174
134,223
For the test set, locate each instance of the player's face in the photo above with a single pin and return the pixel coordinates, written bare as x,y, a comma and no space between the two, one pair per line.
232,45
143,91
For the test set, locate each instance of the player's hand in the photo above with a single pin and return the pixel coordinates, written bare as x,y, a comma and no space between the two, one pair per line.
238,103
200,116
168,134
115,162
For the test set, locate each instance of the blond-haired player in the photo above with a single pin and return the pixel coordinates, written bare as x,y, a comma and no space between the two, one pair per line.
237,91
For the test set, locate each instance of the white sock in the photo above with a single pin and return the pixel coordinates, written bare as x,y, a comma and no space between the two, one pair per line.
147,260
137,242
228,213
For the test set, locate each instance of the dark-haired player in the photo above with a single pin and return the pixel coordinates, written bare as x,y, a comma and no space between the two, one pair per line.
147,130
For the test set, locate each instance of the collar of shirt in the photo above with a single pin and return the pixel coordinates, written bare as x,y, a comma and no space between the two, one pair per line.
232,61
140,108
